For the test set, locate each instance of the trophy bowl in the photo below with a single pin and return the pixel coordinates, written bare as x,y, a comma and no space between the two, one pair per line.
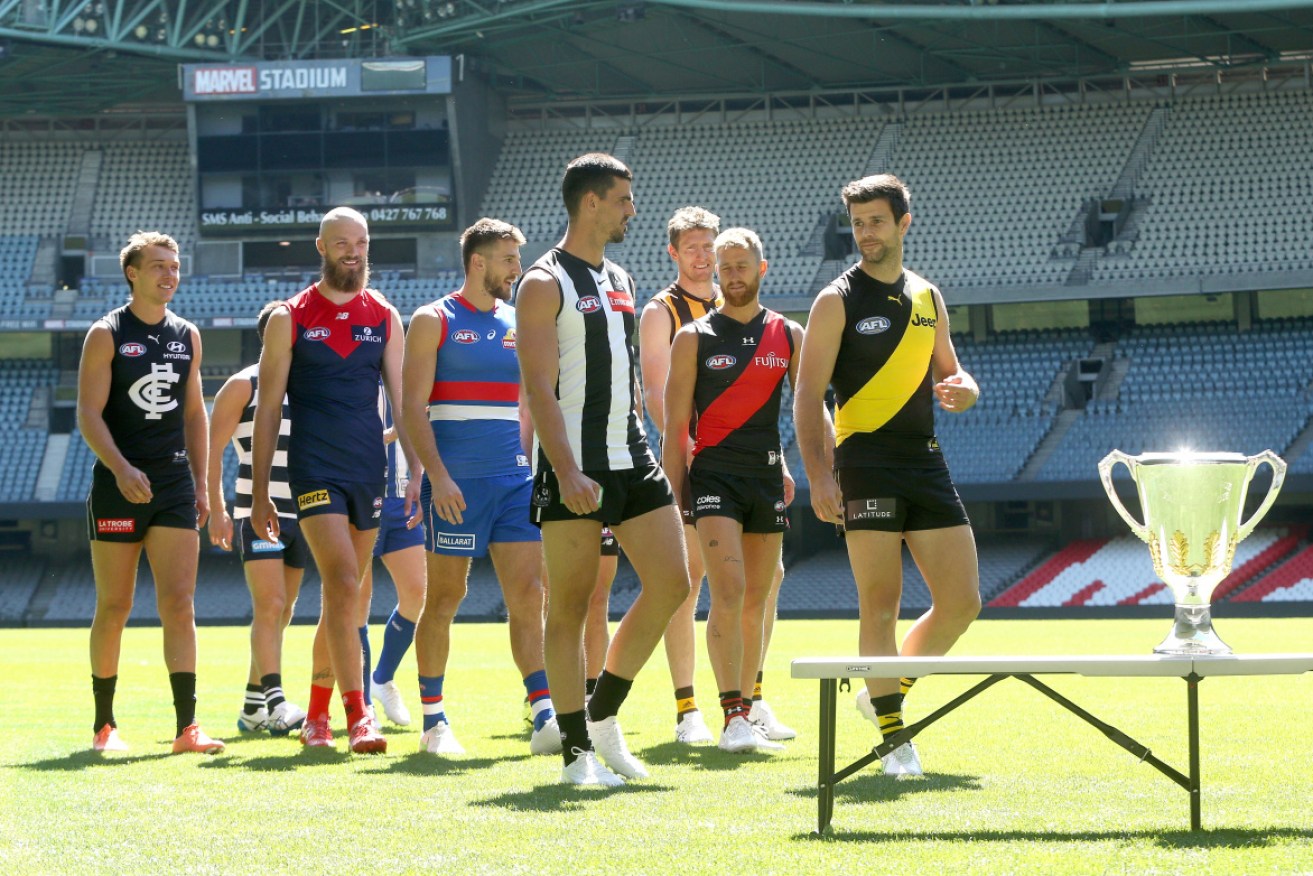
1192,503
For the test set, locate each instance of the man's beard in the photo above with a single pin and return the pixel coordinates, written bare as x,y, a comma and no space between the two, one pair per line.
497,288
344,279
741,299
618,236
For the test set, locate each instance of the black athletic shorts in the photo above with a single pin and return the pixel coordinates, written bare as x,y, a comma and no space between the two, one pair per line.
362,503
110,517
610,547
625,494
757,503
899,499
290,547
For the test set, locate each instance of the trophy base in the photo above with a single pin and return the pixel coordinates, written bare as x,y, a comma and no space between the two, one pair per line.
1192,633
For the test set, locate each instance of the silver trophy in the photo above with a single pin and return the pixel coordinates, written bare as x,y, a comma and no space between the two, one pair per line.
1192,504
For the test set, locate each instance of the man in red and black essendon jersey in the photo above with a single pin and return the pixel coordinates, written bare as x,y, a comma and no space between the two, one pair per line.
730,367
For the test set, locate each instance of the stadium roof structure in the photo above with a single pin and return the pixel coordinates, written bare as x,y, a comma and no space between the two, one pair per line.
79,57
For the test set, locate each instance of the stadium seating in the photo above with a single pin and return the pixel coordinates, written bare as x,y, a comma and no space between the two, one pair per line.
37,181
21,448
145,186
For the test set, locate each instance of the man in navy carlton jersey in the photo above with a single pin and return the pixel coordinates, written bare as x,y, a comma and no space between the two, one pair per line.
141,411
574,323
326,350
463,412
729,367
879,335
273,568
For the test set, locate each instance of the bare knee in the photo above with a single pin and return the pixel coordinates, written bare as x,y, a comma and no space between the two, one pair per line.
176,606
113,610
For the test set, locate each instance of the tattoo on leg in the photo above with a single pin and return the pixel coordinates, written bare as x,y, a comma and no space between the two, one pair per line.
321,674
713,543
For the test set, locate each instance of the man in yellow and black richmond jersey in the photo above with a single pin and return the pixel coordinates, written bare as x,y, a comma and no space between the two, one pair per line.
879,335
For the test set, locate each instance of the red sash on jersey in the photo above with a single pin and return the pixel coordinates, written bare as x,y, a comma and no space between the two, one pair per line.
748,393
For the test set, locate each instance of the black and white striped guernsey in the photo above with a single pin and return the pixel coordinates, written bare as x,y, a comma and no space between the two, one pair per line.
595,383
279,491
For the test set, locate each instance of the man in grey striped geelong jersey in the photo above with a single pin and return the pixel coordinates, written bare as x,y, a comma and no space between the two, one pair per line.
273,569
574,321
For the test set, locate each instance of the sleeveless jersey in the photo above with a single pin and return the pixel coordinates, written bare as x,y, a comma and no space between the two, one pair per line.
741,373
683,307
279,491
882,380
474,406
595,383
398,470
149,375
332,387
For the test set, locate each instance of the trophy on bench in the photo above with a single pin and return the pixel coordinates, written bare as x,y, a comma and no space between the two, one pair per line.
1192,504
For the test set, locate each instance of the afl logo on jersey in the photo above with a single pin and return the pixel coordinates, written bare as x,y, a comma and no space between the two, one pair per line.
132,350
721,362
588,304
176,347
465,336
872,325
316,334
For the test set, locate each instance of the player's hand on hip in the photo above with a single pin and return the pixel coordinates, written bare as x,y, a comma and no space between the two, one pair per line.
827,501
134,485
221,529
580,493
448,501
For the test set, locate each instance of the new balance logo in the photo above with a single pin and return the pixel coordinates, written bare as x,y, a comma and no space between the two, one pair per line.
344,315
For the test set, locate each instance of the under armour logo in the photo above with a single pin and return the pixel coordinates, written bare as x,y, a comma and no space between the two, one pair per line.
151,392
749,342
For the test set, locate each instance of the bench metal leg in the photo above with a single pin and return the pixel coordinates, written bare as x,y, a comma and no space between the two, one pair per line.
1192,703
825,769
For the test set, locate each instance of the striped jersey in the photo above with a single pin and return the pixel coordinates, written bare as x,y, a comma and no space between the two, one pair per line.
595,382
398,473
741,368
683,306
332,387
883,381
279,491
474,406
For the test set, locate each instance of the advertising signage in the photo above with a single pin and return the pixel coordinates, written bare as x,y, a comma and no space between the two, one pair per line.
299,80
436,216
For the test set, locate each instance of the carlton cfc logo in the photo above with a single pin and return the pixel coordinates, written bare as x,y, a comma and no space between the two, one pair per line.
588,304
316,334
465,336
721,362
133,349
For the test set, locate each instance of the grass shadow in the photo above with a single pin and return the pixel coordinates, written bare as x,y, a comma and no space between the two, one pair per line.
879,788
1218,838
80,760
421,763
703,757
563,798
292,761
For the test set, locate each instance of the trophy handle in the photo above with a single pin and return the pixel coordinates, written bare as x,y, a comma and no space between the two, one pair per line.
1106,466
1278,478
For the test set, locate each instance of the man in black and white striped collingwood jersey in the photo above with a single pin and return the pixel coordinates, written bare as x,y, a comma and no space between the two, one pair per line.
273,568
575,320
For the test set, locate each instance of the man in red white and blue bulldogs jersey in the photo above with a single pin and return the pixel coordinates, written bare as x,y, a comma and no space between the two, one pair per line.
273,569
729,367
327,350
575,318
462,409
142,412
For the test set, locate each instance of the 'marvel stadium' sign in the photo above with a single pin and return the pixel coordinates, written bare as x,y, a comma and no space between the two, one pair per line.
279,80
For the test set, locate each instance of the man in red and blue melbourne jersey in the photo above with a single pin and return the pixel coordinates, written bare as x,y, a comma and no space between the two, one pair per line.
730,365
326,349
461,408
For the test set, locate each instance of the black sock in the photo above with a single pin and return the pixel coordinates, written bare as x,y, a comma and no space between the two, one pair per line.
732,705
102,689
254,699
184,698
272,685
574,735
590,685
608,697
889,712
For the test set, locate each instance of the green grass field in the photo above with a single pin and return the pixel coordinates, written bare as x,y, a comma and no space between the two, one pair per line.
1014,784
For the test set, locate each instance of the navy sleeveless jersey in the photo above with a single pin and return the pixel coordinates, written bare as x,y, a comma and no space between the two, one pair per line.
149,375
332,387
741,372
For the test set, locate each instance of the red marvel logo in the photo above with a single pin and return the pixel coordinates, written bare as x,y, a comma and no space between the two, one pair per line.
721,362
620,301
465,336
115,524
133,349
589,304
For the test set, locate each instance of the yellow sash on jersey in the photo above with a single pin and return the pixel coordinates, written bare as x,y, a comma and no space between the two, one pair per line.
890,388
